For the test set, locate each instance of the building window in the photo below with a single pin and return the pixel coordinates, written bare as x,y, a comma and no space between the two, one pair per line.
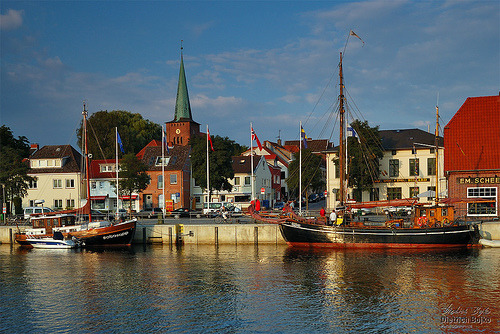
394,193
33,183
431,166
433,188
337,169
374,194
414,191
394,152
92,184
57,184
393,167
237,181
247,180
70,183
414,169
173,178
70,203
58,203
160,182
488,207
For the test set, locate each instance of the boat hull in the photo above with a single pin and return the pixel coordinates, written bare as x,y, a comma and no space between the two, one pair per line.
311,235
114,235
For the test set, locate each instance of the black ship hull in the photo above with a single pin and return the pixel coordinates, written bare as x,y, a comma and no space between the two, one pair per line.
312,235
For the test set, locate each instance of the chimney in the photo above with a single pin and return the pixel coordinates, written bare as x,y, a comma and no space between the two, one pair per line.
279,141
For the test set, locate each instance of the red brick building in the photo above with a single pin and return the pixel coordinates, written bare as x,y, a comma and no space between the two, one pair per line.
472,157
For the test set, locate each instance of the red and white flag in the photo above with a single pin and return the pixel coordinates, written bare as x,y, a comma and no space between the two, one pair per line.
210,139
254,137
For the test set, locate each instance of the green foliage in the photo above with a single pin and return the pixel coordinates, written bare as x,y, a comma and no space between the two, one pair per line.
312,178
364,156
133,176
13,171
221,164
135,132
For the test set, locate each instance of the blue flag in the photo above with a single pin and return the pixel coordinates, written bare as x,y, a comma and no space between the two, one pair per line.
303,136
119,142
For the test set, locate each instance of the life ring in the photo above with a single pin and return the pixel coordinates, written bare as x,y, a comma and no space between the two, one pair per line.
422,221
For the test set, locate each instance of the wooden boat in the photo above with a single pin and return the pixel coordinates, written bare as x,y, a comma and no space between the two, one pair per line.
431,226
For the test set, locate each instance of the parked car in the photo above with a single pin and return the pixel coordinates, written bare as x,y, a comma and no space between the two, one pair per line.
278,205
30,210
398,210
149,213
313,198
180,212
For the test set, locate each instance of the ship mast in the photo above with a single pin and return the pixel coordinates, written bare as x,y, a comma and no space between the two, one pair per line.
436,143
342,146
86,154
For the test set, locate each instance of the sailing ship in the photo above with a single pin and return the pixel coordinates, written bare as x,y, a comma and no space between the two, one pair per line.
87,234
432,226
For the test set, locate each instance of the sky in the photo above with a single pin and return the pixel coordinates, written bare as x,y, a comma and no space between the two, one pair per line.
270,63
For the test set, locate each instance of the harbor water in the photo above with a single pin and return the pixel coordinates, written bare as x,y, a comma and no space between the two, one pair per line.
248,289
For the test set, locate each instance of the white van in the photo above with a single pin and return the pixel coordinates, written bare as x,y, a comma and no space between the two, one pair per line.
216,206
30,210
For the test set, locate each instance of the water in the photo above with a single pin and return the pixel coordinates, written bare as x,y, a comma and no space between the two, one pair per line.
248,289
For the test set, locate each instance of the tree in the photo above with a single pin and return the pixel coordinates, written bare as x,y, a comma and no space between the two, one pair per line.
312,178
221,163
135,132
13,171
133,176
363,156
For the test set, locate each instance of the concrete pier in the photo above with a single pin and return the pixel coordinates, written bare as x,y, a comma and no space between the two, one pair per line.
190,234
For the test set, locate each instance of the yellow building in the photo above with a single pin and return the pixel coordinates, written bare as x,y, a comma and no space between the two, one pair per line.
407,169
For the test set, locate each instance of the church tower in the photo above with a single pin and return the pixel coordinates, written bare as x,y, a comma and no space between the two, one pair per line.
182,128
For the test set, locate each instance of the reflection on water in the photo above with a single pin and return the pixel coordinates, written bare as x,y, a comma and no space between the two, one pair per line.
244,288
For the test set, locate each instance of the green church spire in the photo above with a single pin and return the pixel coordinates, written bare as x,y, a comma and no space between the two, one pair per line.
182,107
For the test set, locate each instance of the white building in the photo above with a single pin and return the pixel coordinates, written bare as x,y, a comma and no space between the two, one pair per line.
58,178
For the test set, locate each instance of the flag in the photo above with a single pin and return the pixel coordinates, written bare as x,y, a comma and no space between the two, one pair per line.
303,136
352,133
164,135
210,139
254,137
352,33
119,140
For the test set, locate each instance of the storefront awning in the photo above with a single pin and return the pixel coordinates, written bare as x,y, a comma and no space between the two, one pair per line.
98,198
134,197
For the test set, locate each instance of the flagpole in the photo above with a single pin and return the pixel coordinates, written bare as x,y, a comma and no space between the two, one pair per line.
300,169
208,174
116,169
251,163
163,143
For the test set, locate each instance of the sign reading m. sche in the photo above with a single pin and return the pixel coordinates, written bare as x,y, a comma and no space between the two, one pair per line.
479,180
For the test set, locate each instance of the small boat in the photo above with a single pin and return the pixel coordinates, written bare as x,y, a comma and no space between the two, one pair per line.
490,243
56,241
106,234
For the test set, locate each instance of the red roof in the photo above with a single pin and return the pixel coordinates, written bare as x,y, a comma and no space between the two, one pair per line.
152,143
472,136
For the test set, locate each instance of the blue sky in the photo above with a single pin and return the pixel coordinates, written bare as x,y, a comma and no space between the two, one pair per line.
273,63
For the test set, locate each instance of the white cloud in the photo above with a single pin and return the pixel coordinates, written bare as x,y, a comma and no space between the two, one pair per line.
12,20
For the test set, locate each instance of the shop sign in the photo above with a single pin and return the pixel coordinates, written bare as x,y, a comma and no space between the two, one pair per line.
478,180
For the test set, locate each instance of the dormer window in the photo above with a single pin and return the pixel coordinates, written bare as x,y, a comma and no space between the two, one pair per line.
159,161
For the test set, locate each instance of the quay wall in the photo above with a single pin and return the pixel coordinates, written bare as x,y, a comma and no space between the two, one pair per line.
210,234
191,234
490,230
